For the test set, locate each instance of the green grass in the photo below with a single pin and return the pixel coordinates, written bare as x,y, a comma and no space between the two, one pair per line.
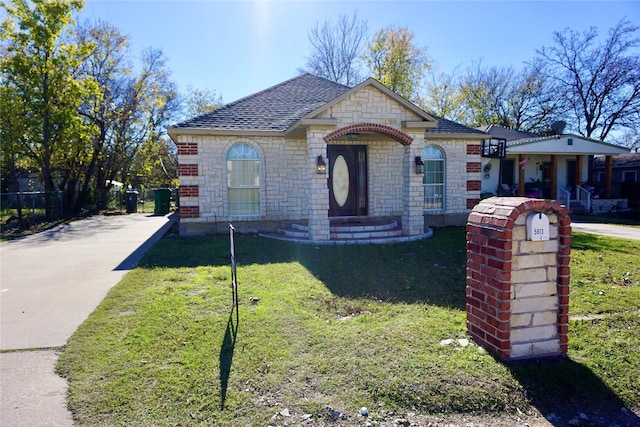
605,275
344,326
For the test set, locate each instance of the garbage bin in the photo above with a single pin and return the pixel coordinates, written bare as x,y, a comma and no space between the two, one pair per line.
161,199
131,201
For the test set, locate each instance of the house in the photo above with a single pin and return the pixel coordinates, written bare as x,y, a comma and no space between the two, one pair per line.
553,167
308,154
625,176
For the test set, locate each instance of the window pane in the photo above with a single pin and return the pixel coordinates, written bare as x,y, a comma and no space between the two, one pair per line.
242,151
243,173
244,201
243,180
433,196
434,176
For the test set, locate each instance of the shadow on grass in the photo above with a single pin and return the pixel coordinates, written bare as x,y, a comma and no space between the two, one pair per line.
226,355
594,242
430,271
562,389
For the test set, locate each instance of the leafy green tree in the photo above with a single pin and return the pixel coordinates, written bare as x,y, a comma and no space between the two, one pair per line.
441,96
155,164
40,62
200,101
396,61
132,109
12,128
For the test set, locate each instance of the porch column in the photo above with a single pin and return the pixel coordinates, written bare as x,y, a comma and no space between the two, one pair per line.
578,170
608,166
553,191
318,188
521,175
413,190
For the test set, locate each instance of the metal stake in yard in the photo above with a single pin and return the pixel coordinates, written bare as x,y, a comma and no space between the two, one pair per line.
234,283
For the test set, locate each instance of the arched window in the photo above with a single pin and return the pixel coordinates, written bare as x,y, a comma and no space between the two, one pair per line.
433,158
243,180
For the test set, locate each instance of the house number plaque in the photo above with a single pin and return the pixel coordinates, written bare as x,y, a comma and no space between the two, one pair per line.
537,226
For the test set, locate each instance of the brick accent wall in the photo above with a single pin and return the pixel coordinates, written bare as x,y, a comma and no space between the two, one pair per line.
517,289
474,185
474,167
189,212
188,169
187,148
471,203
474,149
188,190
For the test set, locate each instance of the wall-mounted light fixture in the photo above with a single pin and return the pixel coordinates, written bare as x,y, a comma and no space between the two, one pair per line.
321,166
353,135
419,165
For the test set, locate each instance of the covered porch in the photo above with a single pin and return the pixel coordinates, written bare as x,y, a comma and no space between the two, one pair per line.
555,167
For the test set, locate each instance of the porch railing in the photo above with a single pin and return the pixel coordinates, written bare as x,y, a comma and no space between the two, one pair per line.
564,197
584,197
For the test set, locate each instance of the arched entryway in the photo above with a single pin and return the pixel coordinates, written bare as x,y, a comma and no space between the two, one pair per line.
349,166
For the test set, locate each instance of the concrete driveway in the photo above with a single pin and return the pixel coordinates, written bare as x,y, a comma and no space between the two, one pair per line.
607,230
49,284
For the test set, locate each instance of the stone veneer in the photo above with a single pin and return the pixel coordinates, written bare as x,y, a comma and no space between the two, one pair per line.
517,289
291,190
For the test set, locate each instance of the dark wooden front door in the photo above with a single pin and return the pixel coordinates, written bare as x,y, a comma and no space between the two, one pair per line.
347,180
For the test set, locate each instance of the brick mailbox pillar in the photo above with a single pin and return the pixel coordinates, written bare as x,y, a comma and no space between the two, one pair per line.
518,276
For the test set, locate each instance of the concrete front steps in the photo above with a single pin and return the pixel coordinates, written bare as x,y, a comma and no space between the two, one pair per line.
344,231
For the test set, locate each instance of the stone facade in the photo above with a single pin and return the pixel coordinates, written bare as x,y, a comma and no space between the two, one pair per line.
518,289
290,188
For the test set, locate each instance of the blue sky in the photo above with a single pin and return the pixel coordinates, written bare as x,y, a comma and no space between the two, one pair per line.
240,47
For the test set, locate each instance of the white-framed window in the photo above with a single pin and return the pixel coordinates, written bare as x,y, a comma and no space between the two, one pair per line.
433,180
629,176
243,180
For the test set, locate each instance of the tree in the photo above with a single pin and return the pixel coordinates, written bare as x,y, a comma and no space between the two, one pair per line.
200,101
395,61
109,65
12,128
39,65
502,96
441,96
156,164
141,109
601,80
336,47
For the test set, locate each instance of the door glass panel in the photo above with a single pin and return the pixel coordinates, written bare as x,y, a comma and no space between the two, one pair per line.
340,180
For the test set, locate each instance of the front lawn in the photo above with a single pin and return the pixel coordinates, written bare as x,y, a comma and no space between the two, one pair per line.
343,327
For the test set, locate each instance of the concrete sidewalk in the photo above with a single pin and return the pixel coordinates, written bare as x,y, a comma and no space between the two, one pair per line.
49,284
607,230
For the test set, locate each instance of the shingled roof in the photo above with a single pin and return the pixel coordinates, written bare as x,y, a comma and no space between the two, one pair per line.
450,127
273,109
279,107
508,134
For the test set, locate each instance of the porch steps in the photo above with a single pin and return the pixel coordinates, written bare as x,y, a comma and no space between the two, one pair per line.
350,231
576,207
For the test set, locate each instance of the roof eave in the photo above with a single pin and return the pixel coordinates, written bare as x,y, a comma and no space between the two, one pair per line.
176,131
452,135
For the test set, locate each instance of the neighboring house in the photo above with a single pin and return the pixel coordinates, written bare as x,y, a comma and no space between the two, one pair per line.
554,167
310,152
625,175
